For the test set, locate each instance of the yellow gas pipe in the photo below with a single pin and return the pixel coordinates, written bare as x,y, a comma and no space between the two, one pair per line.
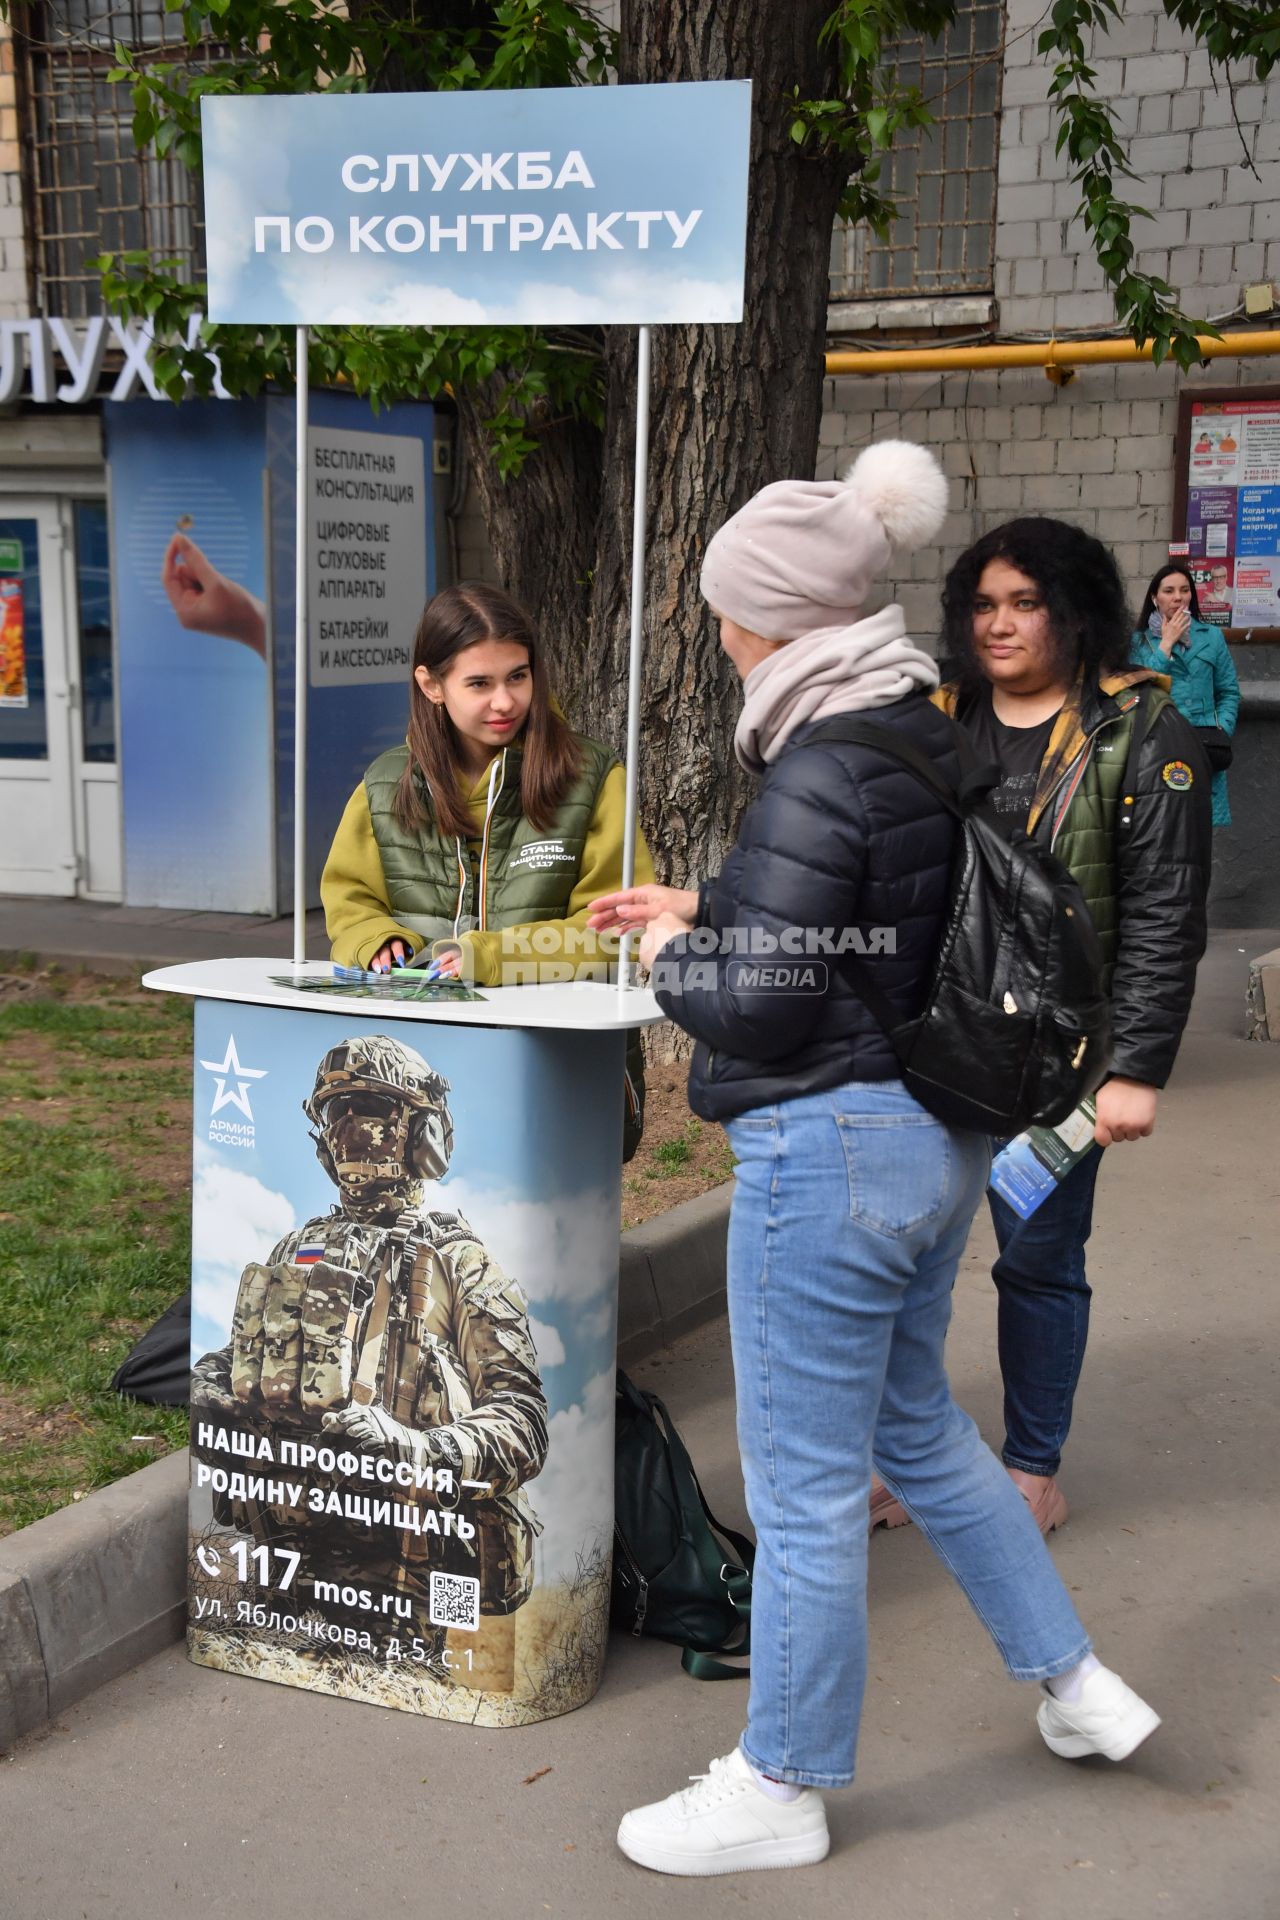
1058,358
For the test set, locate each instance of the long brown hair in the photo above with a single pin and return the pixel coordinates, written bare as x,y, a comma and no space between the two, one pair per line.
457,618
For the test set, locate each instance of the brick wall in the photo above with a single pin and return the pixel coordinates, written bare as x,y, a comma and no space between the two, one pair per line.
1099,451
1215,220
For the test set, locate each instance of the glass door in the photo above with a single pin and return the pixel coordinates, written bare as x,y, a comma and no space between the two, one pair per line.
37,840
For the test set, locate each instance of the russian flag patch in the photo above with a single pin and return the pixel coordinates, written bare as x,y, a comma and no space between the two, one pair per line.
308,1255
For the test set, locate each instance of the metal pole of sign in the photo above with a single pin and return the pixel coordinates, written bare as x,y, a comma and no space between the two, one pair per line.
300,660
636,660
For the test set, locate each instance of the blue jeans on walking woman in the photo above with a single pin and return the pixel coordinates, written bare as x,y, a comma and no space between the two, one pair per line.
850,1212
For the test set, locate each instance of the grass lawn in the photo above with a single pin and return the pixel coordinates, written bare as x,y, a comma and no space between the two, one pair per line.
95,1197
95,1182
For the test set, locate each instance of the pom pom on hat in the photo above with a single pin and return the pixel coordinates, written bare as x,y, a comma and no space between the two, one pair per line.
805,554
904,487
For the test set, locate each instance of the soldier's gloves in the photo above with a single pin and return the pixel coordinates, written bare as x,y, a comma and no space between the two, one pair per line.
374,1427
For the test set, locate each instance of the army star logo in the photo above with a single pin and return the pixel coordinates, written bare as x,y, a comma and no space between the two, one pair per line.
230,1069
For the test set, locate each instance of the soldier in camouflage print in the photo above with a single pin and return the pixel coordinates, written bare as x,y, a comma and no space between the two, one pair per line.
386,1328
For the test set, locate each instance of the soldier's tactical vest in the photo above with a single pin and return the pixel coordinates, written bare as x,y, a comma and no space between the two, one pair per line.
368,1323
520,873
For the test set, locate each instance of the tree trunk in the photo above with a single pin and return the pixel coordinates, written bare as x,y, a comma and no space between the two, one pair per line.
542,529
732,408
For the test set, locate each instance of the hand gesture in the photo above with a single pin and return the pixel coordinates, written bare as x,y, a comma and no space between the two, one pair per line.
637,906
1175,628
205,601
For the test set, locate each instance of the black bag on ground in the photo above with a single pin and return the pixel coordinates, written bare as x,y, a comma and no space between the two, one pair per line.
1015,1030
158,1369
678,1573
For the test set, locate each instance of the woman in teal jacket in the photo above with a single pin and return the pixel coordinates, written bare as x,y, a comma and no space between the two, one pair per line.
1172,638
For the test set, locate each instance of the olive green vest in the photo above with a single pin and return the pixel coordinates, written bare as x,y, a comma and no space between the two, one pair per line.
1085,813
437,885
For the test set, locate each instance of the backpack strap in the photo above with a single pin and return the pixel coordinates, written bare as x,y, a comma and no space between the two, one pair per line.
975,783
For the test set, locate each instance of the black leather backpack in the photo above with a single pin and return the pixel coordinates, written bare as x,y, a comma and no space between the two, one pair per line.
1015,1030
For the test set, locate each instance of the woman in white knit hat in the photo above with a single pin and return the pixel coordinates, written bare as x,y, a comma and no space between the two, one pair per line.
852,1203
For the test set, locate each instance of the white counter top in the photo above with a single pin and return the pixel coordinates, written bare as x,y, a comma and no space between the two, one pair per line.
583,1007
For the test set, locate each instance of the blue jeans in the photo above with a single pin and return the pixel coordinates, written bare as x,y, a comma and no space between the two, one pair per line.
850,1213
1043,1316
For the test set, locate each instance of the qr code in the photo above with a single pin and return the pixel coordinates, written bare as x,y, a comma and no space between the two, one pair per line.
454,1601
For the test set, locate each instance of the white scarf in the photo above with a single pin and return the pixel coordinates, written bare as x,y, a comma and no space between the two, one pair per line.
871,663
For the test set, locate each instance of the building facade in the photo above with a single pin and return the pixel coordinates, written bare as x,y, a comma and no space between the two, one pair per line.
1110,449
147,549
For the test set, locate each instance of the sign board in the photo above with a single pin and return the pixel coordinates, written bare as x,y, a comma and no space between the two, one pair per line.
1227,504
367,563
573,205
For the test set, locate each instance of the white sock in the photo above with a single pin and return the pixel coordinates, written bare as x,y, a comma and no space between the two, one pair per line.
783,1790
1066,1686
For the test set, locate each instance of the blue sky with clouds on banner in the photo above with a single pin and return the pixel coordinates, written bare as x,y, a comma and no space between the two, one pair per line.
654,150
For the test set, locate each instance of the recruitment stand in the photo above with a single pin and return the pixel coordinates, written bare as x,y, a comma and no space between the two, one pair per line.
454,1562
405,1234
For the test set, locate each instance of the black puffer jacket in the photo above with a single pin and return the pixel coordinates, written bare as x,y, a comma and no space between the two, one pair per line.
840,840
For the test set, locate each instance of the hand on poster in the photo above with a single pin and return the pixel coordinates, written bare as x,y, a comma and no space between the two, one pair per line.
1126,1110
205,601
373,1426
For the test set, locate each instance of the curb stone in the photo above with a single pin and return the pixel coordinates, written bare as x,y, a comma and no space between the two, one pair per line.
97,1587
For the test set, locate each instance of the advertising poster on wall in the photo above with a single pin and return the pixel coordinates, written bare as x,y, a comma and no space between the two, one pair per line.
187,508
367,556
403,1325
1228,515
13,645
372,517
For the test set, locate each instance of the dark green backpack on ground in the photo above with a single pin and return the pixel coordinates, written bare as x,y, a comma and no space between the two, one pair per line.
678,1573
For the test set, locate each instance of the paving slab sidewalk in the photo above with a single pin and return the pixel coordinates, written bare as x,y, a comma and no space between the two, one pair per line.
174,1786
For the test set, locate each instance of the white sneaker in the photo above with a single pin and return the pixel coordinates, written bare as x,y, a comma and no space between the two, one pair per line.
723,1823
1108,1718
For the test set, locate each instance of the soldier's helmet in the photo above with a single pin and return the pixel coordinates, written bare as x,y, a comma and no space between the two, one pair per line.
381,1118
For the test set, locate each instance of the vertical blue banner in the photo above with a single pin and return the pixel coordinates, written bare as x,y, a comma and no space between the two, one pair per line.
187,504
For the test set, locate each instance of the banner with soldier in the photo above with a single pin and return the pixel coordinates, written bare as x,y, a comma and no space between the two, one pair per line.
402,1346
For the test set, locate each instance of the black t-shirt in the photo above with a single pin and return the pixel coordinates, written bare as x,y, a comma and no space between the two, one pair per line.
1017,751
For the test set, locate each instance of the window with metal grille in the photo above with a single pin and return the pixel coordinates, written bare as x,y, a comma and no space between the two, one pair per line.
88,189
942,177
